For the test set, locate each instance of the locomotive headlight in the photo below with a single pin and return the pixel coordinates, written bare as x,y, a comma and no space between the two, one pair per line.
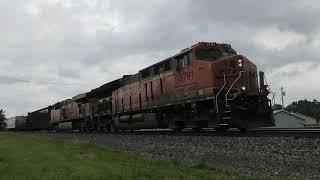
266,87
243,88
240,62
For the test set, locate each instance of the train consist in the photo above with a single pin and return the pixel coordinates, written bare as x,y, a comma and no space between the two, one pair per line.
205,86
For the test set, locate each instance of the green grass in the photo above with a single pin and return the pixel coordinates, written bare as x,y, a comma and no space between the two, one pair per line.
39,158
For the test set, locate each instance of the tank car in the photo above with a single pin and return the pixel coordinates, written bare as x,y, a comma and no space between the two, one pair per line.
205,86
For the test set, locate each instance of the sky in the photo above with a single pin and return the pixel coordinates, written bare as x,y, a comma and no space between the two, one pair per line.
51,50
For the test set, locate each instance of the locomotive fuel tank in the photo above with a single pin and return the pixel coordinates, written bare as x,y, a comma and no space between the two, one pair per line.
137,121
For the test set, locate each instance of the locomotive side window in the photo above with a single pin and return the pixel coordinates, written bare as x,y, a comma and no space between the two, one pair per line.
209,55
187,59
183,60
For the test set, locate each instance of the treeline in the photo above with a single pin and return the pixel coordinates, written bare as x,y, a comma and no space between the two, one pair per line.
309,108
2,120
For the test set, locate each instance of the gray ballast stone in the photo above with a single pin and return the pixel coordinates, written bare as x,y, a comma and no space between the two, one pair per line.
262,156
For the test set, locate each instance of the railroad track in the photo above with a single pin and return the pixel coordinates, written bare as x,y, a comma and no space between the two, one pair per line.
261,132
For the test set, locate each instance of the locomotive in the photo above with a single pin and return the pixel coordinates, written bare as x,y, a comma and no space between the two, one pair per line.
207,85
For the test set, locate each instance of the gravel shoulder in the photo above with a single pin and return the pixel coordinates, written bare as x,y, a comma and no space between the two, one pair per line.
257,156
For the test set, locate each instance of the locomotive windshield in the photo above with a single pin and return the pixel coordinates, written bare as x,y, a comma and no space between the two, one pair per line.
213,54
209,55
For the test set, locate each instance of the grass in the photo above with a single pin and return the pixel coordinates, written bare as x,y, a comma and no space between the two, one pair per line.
39,158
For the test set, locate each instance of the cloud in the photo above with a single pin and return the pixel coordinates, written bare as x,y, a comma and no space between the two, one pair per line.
275,40
298,79
54,49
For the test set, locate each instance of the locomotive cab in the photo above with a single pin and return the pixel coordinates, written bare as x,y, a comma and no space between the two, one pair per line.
239,100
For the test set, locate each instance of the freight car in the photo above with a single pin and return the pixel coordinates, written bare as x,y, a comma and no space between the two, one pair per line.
39,120
20,123
205,86
11,123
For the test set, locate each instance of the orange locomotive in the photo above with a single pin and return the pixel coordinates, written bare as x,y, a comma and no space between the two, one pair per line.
85,112
206,85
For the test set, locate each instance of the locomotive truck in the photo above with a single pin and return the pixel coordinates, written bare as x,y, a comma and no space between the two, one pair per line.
207,85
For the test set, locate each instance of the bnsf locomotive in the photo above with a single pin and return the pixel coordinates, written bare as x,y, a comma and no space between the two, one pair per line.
205,86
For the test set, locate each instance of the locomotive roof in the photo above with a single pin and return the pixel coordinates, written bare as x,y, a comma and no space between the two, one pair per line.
211,44
106,89
48,107
79,97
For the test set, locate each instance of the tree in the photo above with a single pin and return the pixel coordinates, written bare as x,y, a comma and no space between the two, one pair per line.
2,120
309,108
276,107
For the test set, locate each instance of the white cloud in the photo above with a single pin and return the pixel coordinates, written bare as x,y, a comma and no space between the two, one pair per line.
32,9
54,49
300,81
274,39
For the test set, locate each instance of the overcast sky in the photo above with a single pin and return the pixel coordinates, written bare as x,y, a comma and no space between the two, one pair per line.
51,50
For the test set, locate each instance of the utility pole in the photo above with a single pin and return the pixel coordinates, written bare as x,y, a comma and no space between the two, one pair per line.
282,95
274,97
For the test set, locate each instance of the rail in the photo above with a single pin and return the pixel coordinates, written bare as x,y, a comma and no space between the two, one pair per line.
225,83
259,132
226,97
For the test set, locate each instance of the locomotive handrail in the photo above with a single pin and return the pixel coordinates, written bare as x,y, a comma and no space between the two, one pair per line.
226,97
225,83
